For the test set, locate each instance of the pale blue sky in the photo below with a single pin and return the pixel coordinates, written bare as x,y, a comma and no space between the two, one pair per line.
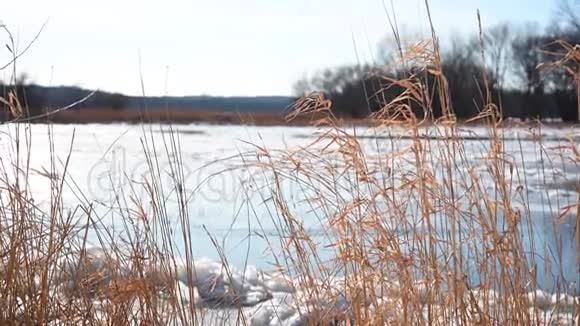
222,47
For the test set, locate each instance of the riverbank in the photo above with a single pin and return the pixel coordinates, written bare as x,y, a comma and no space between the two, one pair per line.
175,116
220,117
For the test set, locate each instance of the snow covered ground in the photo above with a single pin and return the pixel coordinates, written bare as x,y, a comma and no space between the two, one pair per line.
265,298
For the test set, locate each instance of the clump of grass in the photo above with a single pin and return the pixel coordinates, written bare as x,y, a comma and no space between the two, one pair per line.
50,274
419,231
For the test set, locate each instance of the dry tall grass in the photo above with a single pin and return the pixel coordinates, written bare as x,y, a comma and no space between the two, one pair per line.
419,233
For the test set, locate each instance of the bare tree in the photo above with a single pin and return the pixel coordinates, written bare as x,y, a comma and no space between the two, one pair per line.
302,87
569,13
497,45
463,70
390,46
527,55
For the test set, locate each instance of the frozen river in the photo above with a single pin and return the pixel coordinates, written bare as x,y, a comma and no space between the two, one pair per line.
108,162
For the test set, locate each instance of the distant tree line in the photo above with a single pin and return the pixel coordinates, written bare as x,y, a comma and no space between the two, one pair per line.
23,99
524,68
33,100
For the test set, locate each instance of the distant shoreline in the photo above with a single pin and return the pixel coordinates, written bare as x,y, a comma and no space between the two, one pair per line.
211,116
221,117
176,116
